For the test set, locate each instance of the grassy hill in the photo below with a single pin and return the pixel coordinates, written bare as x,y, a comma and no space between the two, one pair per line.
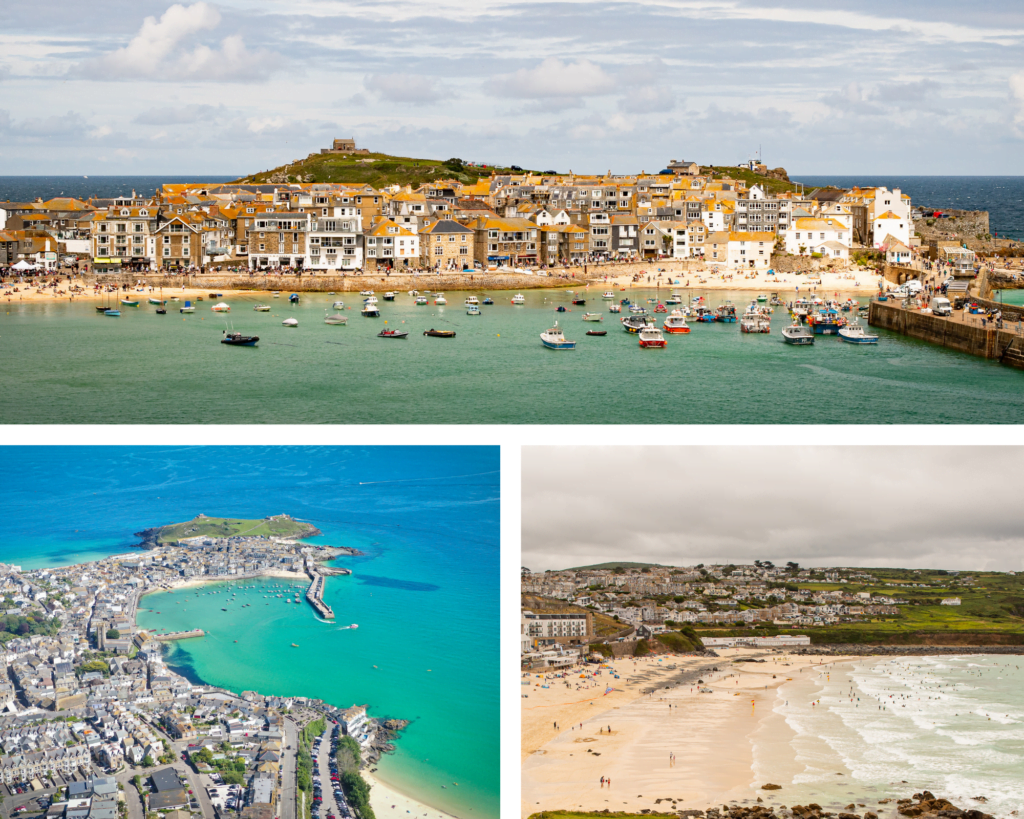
616,565
229,527
377,170
746,175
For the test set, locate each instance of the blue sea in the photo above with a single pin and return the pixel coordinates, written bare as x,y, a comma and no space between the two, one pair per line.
425,594
28,188
1001,196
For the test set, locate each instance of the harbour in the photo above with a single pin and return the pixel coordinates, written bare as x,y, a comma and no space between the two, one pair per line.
61,359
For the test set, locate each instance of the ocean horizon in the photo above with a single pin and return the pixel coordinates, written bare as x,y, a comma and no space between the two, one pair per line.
424,593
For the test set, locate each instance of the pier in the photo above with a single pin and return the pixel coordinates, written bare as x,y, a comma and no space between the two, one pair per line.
961,331
315,593
179,635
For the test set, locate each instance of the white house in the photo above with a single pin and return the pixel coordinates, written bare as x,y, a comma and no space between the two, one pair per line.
895,251
829,237
752,250
335,240
890,216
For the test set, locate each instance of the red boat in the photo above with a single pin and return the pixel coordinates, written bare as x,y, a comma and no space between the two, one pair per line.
676,323
661,308
652,337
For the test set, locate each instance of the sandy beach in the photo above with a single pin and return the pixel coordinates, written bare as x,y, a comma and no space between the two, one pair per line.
65,292
863,282
656,711
389,803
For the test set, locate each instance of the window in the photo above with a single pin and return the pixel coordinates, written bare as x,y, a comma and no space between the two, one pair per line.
167,251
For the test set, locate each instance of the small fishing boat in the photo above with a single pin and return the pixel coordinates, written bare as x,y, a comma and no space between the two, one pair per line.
607,294
370,310
726,313
560,309
634,324
660,308
762,298
826,322
112,312
216,295
519,298
614,308
295,645
440,299
421,300
675,298
554,339
439,333
593,317
290,322
294,298
129,303
472,310
221,307
365,292
262,308
414,293
705,315
579,300
676,323
798,334
652,337
238,340
390,295
855,334
155,301
335,318
488,300
472,300
775,301
637,309
276,294
385,333
338,305
597,332
755,323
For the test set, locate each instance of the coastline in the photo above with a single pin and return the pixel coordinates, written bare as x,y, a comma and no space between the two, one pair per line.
709,735
390,802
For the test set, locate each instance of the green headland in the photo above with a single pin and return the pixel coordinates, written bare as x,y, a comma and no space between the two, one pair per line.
280,526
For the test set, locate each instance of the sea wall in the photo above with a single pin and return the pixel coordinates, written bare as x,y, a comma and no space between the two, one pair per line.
986,342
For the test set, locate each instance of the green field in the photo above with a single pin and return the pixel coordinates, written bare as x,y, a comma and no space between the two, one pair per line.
383,171
229,527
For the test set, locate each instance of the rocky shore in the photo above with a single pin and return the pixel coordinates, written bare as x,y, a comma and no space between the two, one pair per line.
383,743
922,805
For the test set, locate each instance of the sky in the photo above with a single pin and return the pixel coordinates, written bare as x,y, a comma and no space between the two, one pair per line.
876,506
233,87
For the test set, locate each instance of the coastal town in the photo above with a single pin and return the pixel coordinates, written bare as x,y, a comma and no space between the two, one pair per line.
734,218
96,725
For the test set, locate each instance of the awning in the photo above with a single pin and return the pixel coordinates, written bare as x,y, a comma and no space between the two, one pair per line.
101,260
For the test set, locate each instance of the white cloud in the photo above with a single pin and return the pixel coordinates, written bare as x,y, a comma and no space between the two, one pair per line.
1017,94
407,88
258,125
554,79
649,99
101,131
160,51
124,153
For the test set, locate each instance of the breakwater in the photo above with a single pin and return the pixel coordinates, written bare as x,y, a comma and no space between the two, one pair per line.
180,635
961,332
315,594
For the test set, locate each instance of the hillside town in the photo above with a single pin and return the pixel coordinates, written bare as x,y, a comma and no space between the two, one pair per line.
686,211
96,725
651,600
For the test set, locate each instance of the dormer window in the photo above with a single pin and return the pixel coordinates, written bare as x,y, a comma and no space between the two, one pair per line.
125,212
143,213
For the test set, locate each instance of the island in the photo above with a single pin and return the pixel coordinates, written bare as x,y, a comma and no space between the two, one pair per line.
107,713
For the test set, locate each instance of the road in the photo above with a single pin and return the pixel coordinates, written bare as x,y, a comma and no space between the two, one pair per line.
291,741
330,804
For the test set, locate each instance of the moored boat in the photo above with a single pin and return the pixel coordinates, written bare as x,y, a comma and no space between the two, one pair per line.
221,307
593,317
386,333
155,301
676,323
798,334
290,322
519,298
579,300
855,334
294,298
826,322
554,339
471,300
704,314
762,298
660,308
188,308
652,337
614,308
607,294
440,299
335,318
370,310
597,332
129,303
634,324
421,300
473,310
389,296
262,308
239,340
439,333
726,313
338,305
488,300
755,323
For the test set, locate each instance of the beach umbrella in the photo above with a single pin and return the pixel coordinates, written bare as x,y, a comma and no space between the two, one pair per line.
23,265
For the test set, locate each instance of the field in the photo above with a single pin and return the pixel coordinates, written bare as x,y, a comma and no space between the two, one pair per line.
384,170
229,527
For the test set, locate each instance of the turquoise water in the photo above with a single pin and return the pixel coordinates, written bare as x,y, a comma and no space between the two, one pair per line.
952,725
67,364
424,595
1010,296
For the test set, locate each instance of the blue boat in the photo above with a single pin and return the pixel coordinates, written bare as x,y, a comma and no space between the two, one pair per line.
112,312
727,313
854,334
560,309
554,339
293,298
826,322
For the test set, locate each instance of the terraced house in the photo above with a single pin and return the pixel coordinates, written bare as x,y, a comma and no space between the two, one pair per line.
446,245
279,239
506,241
389,246
336,237
25,767
124,237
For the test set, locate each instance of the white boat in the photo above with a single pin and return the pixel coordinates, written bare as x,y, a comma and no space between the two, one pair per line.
390,295
755,323
335,318
370,300
519,298
414,292
554,339
607,294
277,294
473,310
652,337
370,310
188,308
338,305
290,322
676,323
798,333
855,334
365,292
262,308
440,299
472,300
593,317
221,307
614,308
421,300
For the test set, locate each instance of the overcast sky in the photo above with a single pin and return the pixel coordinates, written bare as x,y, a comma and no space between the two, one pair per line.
912,507
884,86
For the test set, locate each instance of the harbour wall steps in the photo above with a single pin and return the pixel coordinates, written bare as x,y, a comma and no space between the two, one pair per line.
180,635
1005,346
